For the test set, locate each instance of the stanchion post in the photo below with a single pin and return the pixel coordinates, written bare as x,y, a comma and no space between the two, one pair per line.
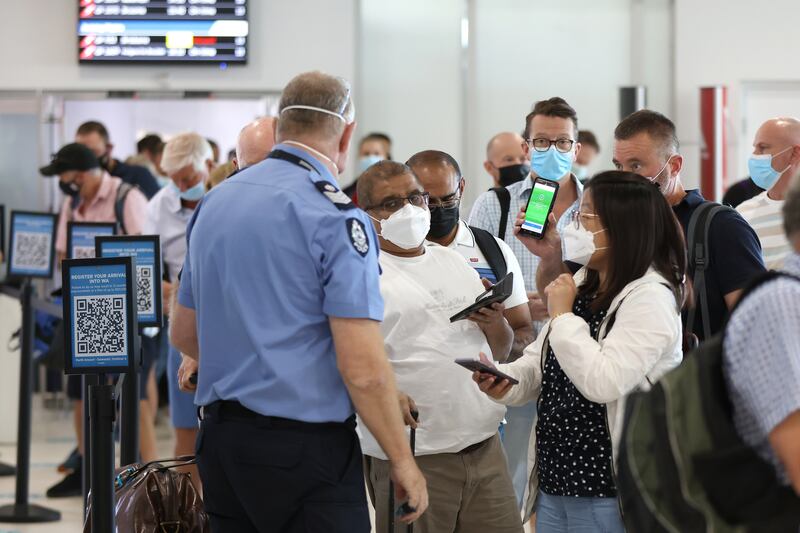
101,421
129,412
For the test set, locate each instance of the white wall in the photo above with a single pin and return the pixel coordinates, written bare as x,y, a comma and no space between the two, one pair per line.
287,37
728,42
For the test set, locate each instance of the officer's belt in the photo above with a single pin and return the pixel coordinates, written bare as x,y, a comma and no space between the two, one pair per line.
229,410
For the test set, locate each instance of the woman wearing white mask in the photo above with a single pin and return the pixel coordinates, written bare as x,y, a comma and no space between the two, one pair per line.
615,327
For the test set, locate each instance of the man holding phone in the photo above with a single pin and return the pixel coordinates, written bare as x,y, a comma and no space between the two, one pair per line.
457,443
550,143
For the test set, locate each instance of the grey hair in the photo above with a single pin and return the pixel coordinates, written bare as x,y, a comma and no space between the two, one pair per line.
320,90
791,210
186,149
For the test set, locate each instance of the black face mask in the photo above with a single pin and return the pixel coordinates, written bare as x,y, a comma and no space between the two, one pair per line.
105,161
443,220
69,189
513,174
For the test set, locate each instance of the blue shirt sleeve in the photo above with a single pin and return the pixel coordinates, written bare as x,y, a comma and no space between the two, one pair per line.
735,251
347,247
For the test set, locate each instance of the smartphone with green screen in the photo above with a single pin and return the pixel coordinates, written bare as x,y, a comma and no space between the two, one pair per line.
540,205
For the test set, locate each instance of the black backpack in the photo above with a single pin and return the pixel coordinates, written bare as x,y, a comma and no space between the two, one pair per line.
491,251
682,465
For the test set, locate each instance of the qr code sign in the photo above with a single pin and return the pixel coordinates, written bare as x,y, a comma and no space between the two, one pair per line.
144,290
100,326
31,251
82,252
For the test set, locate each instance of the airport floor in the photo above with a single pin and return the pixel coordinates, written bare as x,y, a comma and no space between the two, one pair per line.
52,439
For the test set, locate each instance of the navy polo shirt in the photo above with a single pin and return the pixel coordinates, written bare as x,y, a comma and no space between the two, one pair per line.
734,254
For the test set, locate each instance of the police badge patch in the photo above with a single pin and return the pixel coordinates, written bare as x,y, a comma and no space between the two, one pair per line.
358,236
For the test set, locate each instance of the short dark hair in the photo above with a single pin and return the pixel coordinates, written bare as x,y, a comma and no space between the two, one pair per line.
380,137
552,107
427,157
380,171
587,138
657,237
93,126
657,126
151,143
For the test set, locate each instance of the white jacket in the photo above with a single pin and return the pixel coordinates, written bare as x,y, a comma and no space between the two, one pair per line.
644,343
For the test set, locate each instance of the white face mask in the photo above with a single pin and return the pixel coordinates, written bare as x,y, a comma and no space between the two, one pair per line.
407,227
577,244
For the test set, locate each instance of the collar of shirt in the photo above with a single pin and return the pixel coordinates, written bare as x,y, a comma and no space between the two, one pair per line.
172,199
692,199
464,236
792,264
522,188
312,160
105,190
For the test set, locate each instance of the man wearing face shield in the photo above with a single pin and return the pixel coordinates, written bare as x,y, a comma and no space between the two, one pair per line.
646,144
94,135
774,165
93,196
457,443
279,306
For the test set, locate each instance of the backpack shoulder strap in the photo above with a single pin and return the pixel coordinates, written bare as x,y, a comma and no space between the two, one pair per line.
697,233
119,204
491,251
505,206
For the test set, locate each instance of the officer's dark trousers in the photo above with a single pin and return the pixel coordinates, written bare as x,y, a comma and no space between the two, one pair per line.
271,475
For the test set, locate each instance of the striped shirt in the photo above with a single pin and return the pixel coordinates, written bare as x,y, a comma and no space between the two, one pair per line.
764,215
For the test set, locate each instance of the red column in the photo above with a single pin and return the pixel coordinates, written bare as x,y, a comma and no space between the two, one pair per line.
713,151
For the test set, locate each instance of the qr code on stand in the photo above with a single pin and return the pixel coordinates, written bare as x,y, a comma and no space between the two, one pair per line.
82,252
31,251
101,326
144,290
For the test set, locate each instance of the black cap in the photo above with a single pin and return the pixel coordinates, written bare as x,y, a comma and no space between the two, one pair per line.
73,156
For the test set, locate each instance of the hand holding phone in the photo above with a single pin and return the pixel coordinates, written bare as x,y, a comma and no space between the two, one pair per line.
540,205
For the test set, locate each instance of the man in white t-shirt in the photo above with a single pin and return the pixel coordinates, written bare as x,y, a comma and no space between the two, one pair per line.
457,444
775,163
440,176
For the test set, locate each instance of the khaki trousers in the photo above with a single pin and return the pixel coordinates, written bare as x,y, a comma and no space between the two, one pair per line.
469,492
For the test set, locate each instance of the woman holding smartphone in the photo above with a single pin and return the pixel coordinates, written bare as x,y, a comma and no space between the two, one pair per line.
614,327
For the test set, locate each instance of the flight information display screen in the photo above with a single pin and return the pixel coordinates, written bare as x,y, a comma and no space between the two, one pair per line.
170,31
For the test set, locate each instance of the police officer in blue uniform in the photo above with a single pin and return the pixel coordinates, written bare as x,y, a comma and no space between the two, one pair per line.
278,312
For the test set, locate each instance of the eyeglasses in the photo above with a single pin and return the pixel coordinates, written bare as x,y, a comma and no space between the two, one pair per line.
541,144
575,218
417,199
446,202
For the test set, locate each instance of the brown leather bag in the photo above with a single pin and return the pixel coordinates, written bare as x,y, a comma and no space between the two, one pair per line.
153,498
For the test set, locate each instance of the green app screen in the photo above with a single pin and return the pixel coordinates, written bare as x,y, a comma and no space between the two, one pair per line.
538,207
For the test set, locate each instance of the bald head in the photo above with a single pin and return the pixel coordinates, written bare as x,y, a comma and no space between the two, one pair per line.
255,142
780,138
504,149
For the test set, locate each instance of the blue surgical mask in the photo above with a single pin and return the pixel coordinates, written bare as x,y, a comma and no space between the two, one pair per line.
192,194
367,161
552,164
761,171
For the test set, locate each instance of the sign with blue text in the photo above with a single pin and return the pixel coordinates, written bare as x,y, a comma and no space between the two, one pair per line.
99,315
146,251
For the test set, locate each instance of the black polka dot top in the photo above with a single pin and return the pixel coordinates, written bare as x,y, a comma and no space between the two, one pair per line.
573,443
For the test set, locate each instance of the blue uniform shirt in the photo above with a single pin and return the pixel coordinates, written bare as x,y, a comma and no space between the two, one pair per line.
271,256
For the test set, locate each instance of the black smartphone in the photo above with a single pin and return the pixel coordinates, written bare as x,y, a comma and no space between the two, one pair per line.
499,293
540,205
477,366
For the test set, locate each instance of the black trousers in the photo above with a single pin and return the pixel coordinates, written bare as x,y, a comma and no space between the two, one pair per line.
270,475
